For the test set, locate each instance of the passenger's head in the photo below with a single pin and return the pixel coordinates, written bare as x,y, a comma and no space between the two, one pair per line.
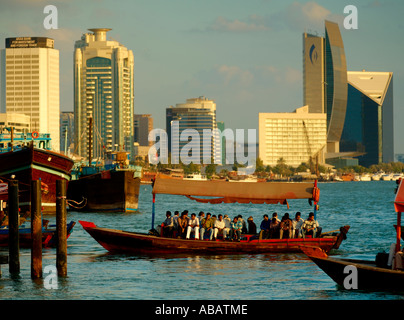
168,214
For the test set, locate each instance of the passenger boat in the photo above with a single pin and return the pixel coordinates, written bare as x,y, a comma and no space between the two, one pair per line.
27,157
222,191
48,235
381,274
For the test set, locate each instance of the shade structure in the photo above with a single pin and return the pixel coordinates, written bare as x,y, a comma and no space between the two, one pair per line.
399,200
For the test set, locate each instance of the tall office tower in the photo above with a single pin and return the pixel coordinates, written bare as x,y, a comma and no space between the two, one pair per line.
197,114
368,128
296,137
143,124
30,83
103,91
325,80
66,132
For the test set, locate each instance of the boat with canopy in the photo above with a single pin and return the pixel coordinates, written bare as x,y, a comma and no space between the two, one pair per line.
386,272
215,192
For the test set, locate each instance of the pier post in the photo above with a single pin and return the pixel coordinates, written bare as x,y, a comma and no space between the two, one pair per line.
13,224
36,230
61,230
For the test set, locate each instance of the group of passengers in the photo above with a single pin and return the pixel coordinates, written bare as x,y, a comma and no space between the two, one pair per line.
288,228
211,227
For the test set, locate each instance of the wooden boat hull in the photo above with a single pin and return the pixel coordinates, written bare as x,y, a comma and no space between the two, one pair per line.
369,275
107,191
131,242
25,240
30,164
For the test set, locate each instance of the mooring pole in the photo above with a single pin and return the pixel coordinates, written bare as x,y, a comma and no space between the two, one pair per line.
61,229
13,224
36,230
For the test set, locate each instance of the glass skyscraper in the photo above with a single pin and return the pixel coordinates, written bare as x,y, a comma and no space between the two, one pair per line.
103,91
368,128
197,114
325,80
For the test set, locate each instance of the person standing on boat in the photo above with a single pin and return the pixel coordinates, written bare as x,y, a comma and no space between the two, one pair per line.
168,225
236,227
311,227
193,225
207,226
265,225
297,223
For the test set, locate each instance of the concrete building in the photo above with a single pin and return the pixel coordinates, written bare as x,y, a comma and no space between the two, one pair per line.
30,83
20,122
296,137
103,91
66,132
197,115
369,122
143,124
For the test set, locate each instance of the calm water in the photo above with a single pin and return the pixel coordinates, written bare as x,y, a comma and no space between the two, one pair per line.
94,274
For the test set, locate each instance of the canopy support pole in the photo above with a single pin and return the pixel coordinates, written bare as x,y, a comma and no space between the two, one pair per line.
398,246
153,210
315,203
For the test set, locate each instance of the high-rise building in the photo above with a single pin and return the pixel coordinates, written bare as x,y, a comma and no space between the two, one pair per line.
103,91
297,137
66,131
30,83
197,115
325,80
368,128
20,122
143,124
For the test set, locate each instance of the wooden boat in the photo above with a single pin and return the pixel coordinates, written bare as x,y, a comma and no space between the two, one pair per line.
28,163
132,242
25,240
377,274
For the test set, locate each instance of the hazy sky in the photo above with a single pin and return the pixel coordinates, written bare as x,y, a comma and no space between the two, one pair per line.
246,55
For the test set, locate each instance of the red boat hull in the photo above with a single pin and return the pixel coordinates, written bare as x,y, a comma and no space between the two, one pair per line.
30,164
131,242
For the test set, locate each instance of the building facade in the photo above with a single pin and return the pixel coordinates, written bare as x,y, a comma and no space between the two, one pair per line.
196,115
369,123
20,122
30,83
297,137
66,132
143,124
325,80
103,91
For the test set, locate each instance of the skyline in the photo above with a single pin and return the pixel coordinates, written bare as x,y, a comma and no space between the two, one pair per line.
245,56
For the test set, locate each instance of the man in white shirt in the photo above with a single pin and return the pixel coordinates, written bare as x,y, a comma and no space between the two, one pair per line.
219,227
193,226
227,226
297,225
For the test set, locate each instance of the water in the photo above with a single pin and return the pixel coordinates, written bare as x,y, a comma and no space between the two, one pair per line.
95,274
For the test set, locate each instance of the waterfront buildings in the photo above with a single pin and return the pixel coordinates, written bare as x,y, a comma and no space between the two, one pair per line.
325,80
103,91
20,122
196,115
297,137
369,119
30,83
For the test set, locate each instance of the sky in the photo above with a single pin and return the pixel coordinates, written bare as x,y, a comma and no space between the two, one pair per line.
244,54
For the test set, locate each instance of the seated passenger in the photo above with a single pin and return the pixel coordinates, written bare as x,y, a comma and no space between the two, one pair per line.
311,227
244,228
182,225
274,229
235,231
207,227
285,227
193,226
297,223
168,225
265,228
252,228
227,226
219,227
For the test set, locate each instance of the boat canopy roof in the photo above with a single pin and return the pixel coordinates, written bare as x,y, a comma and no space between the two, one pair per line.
399,200
231,192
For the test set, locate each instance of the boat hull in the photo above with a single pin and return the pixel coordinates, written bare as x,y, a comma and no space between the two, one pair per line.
25,240
131,242
369,275
31,164
107,191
